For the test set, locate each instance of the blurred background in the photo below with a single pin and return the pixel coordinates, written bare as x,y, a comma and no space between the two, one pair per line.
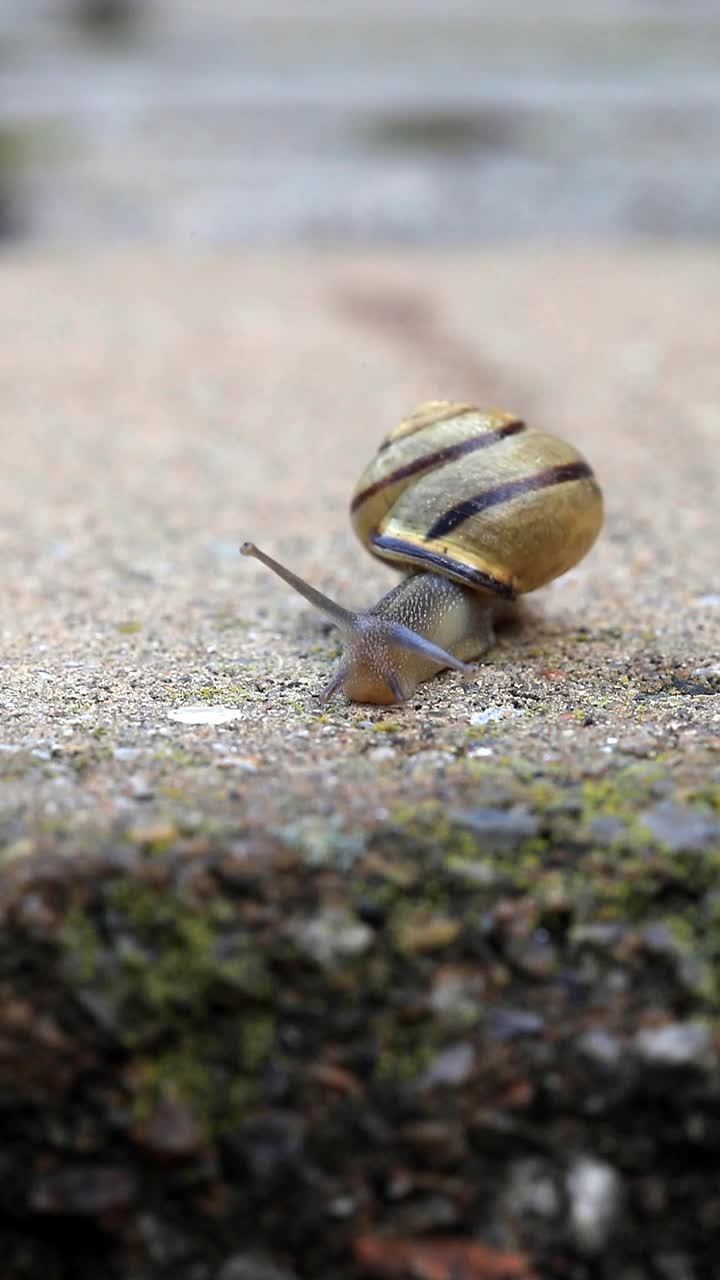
215,122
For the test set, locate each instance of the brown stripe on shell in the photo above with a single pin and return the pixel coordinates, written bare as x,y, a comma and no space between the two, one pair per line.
504,492
436,459
432,560
421,420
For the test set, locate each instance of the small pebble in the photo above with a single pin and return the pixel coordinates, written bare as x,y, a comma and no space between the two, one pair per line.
451,1066
597,934
237,762
432,934
333,935
204,714
490,715
601,1046
498,829
595,1195
508,1024
531,1189
169,1129
342,1207
639,746
323,841
159,833
253,1266
456,996
605,828
140,789
677,1044
682,830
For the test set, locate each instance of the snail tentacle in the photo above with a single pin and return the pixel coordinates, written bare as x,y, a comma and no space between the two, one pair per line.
324,603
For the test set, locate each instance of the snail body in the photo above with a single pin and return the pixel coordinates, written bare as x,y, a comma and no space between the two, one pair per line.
477,508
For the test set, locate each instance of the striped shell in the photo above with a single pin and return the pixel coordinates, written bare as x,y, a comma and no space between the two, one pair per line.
479,497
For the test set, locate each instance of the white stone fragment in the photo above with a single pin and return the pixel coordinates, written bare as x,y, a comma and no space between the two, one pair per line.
204,714
490,714
594,1192
674,1045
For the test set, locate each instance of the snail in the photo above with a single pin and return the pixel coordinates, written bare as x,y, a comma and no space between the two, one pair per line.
477,508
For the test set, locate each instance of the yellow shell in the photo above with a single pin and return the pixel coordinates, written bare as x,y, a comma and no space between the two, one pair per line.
480,497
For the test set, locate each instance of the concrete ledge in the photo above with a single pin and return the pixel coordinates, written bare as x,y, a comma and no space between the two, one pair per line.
306,988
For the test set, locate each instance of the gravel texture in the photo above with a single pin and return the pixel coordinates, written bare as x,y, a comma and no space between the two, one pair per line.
336,992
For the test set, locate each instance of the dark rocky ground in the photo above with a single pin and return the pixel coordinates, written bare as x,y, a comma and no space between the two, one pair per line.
341,992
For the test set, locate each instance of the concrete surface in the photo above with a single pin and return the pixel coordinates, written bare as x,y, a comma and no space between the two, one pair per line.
158,410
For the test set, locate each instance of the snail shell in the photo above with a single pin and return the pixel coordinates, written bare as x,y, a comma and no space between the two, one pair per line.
478,508
478,497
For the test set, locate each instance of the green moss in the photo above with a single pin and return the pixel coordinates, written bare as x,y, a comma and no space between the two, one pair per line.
258,1032
574,869
189,994
541,794
619,794
405,1054
81,946
184,943
184,1070
195,1067
196,999
709,794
